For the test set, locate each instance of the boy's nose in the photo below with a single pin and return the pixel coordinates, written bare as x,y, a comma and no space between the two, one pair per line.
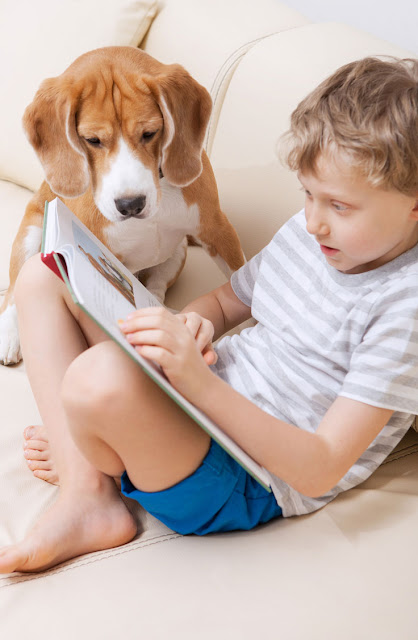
316,223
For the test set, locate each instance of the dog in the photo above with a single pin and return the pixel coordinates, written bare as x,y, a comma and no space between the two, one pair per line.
120,139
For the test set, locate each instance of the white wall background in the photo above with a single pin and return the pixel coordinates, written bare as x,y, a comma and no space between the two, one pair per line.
393,20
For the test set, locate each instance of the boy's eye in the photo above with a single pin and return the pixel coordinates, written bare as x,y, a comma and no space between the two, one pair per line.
306,192
339,207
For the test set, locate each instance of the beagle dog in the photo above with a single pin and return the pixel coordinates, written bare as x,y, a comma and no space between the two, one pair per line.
120,139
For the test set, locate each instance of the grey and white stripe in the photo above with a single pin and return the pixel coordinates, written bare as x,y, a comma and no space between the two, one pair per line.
321,333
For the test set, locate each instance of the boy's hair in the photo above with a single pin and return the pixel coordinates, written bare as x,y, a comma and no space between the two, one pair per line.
367,109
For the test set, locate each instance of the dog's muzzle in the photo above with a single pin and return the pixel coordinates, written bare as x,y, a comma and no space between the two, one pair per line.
131,207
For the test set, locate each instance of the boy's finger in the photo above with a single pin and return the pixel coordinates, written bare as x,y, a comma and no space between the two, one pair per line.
153,337
210,356
193,325
147,321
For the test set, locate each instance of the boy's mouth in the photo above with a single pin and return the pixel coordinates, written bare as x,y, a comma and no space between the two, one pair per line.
328,251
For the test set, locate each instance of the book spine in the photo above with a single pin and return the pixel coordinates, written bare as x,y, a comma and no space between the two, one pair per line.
48,259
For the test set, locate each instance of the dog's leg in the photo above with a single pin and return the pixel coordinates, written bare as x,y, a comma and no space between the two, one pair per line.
215,233
221,242
9,336
26,244
159,278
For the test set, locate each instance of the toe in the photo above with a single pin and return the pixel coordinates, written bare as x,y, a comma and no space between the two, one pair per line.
28,432
35,432
47,476
36,465
32,450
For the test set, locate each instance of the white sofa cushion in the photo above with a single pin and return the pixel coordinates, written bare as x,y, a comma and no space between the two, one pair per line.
347,571
34,53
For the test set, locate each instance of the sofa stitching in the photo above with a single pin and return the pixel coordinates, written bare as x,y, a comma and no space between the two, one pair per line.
233,62
98,556
234,59
404,453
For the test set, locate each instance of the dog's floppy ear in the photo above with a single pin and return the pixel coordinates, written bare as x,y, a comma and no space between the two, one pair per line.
186,108
50,125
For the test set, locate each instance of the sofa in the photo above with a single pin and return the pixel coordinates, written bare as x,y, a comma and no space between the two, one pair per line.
346,571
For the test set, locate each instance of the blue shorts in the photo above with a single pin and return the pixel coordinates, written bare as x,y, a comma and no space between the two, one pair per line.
219,496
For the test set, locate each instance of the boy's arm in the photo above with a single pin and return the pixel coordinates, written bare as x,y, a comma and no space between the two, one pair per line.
222,307
311,463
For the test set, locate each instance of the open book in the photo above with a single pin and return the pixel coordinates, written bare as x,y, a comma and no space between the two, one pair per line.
106,291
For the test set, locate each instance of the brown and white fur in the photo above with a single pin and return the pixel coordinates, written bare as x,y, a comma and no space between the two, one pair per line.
120,138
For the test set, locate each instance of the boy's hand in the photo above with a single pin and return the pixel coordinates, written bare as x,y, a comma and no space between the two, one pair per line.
180,344
202,330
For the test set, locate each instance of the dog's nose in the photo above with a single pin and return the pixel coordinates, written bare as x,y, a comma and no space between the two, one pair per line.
130,207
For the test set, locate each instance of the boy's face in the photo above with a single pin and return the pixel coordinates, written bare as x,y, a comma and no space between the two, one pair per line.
358,227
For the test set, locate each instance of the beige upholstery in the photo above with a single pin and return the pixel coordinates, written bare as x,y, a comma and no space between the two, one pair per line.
347,571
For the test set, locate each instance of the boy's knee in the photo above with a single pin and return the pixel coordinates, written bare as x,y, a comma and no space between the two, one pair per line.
31,276
91,385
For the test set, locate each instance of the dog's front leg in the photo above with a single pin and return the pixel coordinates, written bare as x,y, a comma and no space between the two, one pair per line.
220,240
26,244
9,335
159,278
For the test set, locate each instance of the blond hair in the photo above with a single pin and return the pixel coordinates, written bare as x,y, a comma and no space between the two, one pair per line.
367,109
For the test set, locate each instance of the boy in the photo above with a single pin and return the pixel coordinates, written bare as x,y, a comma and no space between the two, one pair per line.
318,392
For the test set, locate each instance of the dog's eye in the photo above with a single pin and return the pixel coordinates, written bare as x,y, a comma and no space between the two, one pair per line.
148,135
95,142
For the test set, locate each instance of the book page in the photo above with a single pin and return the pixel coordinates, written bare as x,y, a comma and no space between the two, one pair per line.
97,276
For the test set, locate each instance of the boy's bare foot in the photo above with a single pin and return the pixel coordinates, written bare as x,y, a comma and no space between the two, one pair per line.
79,522
37,454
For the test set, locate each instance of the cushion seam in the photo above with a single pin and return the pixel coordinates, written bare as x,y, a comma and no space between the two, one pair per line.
234,59
109,553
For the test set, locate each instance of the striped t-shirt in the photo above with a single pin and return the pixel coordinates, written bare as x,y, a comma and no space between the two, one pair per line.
320,334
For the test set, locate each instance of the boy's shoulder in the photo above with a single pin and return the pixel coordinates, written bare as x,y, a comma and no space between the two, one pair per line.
401,283
402,272
394,297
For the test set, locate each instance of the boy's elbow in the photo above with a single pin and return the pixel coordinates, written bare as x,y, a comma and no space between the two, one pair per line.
316,481
315,488
319,482
316,472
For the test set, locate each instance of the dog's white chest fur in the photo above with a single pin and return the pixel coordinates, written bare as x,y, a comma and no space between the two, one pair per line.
144,243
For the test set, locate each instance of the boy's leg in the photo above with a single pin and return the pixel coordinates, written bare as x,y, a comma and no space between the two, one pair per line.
88,514
53,332
121,420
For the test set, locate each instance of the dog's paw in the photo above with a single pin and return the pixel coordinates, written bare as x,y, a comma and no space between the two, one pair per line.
10,352
159,294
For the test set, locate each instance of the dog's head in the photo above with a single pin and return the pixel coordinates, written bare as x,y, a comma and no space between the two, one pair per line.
115,121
